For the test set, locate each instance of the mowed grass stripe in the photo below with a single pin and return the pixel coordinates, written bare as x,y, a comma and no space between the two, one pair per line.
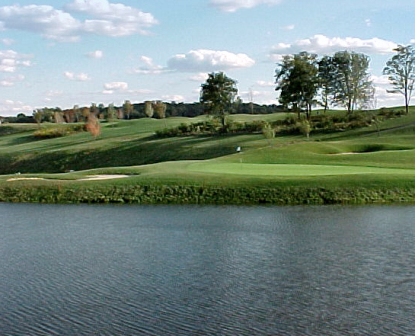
292,169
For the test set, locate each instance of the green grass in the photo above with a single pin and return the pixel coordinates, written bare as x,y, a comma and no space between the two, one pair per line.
292,170
348,160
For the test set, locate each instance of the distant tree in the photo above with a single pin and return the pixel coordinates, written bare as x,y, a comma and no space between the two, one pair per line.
101,108
128,109
352,87
58,117
148,109
160,109
297,81
112,113
400,70
218,94
38,115
85,113
326,75
77,113
120,113
93,126
94,109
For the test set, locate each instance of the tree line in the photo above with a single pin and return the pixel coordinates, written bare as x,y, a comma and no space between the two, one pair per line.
130,110
303,80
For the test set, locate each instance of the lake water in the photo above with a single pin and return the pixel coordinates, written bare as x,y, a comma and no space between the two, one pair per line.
189,270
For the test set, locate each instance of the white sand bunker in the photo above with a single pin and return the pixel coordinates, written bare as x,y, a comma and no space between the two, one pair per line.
24,179
102,177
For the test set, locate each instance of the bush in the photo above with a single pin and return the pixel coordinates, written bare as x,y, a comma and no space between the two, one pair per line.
57,132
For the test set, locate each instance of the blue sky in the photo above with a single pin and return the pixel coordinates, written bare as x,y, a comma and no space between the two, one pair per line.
67,52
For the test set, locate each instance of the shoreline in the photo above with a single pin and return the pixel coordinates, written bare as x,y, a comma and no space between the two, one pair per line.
198,194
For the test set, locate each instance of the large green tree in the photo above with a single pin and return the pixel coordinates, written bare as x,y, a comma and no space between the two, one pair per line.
297,81
400,70
352,87
326,75
218,94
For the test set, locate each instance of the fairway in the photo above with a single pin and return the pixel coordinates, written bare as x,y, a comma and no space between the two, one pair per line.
291,169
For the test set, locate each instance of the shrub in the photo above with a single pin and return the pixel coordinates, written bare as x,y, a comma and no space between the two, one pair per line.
56,132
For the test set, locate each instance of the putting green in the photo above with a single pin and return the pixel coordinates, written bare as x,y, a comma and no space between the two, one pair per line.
291,169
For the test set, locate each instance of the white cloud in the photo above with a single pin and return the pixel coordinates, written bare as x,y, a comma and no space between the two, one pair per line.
203,60
108,19
10,107
97,54
54,93
173,98
7,41
200,77
380,80
12,80
149,68
81,77
115,87
118,86
112,19
289,27
6,83
321,44
123,87
368,22
11,60
265,84
234,5
49,22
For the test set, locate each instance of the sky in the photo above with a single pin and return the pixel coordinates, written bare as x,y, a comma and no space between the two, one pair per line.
61,53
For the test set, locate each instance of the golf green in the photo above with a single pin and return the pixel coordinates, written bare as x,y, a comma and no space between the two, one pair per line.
291,169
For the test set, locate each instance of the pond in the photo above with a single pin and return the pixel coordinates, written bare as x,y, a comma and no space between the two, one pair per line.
206,270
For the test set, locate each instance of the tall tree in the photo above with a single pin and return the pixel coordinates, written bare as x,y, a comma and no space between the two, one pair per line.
352,87
218,94
128,108
297,79
400,70
326,71
38,116
111,114
93,126
77,112
148,109
160,109
94,109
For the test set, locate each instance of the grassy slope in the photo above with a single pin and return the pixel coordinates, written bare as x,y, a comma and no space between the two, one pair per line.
130,147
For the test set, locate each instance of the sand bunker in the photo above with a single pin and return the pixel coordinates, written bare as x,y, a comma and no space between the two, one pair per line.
88,178
24,178
102,177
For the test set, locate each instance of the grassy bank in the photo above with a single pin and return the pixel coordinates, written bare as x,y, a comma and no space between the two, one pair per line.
367,165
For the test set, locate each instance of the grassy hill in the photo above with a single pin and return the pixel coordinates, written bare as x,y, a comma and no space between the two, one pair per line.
360,165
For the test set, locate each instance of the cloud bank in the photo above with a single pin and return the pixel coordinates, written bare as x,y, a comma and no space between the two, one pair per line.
321,44
102,18
204,60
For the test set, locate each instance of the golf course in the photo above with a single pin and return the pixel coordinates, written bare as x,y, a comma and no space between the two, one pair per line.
129,163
